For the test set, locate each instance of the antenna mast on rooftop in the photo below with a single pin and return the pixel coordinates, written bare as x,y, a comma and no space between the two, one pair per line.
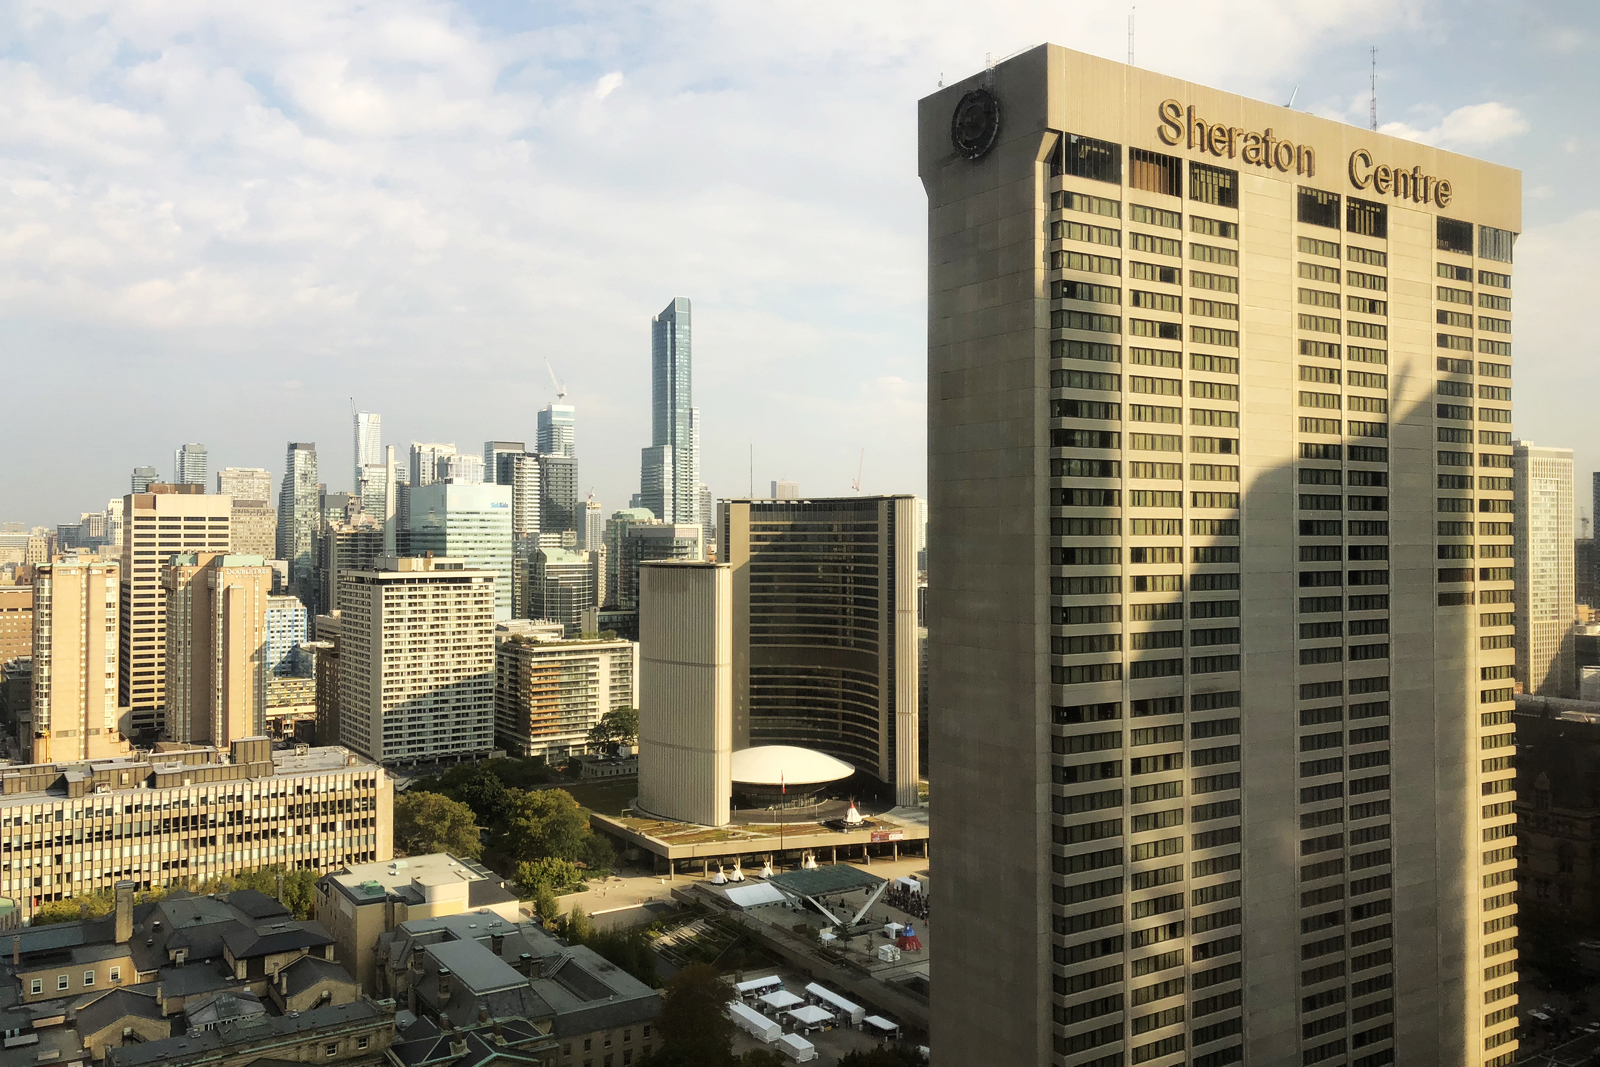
1373,118
1131,11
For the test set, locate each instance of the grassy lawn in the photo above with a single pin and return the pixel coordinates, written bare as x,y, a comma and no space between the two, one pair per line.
608,796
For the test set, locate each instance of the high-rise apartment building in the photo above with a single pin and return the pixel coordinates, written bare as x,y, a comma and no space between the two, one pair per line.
245,483
189,465
785,490
1543,565
156,526
492,451
461,469
557,432
344,546
561,587
670,468
143,477
217,633
708,516
471,523
594,526
288,627
649,541
75,707
1184,344
377,491
558,500
416,660
424,465
549,694
254,529
825,630
16,622
300,519
367,450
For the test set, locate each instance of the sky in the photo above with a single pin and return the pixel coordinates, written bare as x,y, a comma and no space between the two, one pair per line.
225,222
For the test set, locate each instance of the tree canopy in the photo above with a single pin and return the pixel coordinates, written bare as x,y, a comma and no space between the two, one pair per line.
546,822
620,726
692,1024
431,822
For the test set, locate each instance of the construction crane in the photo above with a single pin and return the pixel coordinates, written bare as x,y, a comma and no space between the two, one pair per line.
856,485
561,390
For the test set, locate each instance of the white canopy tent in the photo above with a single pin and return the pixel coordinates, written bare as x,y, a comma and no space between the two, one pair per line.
754,895
826,996
810,1017
797,1048
780,1000
881,1027
753,1022
758,986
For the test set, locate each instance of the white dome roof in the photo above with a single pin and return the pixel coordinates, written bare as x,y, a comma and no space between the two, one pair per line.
786,764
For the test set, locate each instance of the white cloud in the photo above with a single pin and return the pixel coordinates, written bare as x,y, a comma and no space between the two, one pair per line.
1475,126
412,203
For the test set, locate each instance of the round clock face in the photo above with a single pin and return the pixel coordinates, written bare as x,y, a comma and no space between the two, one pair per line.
975,124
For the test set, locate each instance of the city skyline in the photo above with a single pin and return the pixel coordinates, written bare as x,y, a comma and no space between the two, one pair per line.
844,303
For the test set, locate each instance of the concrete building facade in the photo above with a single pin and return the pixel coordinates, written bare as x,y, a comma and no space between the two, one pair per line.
158,525
245,483
416,660
686,691
253,529
549,694
649,541
1544,567
311,809
217,667
189,465
362,902
825,621
75,710
16,622
1182,345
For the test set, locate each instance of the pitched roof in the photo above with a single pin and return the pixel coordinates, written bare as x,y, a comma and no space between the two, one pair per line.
305,972
117,1004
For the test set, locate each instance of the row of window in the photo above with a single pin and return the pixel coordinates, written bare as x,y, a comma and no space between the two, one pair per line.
1101,381
1105,352
1140,498
1111,468
1107,411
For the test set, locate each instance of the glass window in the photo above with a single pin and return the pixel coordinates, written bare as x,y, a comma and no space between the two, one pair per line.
1318,208
1154,172
1455,236
38,985
1495,244
1086,157
62,981
88,979
1213,185
1366,218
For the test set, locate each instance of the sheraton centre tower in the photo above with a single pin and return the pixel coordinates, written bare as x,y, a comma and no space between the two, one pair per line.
1219,462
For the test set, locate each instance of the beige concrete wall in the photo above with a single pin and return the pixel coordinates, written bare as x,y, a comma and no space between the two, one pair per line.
1416,793
75,711
686,691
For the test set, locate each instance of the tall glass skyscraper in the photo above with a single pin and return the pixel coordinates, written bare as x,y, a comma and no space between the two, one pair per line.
299,518
558,430
669,476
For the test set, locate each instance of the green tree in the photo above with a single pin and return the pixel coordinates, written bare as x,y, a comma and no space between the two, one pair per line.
549,873
578,929
431,822
544,822
620,726
692,1024
599,855
485,794
762,1057
546,904
628,949
299,887
84,905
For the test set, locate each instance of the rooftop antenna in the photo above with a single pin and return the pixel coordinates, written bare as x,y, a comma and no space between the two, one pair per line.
988,70
941,79
752,470
1131,12
1373,118
856,485
1292,95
